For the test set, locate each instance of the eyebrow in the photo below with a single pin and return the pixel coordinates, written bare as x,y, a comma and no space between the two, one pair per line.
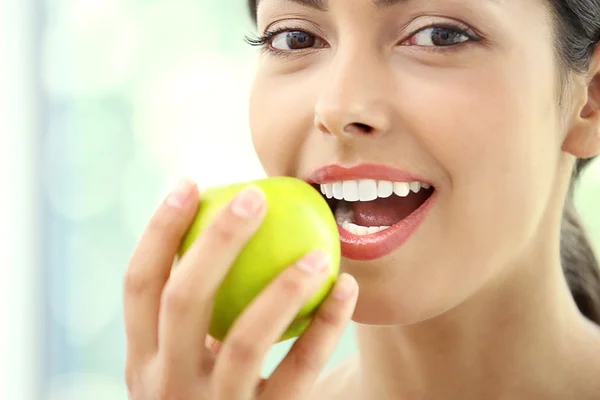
321,5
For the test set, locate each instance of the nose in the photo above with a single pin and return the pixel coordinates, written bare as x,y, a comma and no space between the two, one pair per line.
354,99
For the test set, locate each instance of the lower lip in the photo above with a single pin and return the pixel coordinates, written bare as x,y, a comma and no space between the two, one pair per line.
377,245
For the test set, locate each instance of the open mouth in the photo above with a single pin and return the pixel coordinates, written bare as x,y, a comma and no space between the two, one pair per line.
367,206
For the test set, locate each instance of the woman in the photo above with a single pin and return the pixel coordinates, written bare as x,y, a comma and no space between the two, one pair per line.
454,129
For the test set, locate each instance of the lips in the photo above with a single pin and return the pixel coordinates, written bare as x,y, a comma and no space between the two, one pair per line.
377,207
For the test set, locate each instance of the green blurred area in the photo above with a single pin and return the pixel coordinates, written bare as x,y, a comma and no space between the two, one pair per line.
587,201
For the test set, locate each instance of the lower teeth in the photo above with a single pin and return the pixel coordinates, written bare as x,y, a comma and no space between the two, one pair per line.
344,215
362,230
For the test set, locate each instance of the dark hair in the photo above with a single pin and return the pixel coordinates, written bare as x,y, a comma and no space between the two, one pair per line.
577,34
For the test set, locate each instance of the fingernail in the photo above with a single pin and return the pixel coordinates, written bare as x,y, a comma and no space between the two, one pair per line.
344,287
249,202
182,193
313,262
212,344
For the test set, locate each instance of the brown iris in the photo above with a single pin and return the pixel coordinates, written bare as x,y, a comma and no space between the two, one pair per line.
445,37
297,40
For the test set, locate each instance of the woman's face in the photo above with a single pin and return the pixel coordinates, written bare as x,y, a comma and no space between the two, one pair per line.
458,94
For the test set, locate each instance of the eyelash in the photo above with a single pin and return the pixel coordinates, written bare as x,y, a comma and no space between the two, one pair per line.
264,41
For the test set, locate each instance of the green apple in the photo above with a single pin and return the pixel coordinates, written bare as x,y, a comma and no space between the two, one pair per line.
298,220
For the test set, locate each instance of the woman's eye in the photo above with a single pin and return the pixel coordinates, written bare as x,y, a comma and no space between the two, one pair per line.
293,40
437,36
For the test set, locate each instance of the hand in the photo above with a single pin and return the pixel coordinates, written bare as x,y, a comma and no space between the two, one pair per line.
167,313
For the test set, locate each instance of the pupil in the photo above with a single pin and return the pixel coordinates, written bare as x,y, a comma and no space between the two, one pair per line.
444,37
299,40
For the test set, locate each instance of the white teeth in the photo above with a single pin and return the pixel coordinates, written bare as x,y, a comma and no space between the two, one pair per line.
401,189
327,190
369,189
415,186
362,230
350,189
385,189
337,191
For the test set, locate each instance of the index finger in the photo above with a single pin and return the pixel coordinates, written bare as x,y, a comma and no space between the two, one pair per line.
150,266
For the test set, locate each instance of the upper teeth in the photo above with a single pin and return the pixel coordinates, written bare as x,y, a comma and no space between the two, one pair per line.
369,189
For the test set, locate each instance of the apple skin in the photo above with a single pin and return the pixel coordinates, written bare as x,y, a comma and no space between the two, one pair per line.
297,220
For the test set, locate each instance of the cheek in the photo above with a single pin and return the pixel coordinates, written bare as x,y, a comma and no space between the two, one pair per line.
494,129
263,126
511,143
498,124
280,120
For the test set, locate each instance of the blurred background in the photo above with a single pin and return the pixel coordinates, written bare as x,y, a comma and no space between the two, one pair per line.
105,104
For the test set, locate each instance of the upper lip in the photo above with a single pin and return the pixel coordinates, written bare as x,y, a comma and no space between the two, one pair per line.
336,173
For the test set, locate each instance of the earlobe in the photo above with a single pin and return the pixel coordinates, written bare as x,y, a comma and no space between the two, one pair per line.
583,138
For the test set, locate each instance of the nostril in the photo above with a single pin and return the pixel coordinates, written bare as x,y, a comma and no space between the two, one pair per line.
357,127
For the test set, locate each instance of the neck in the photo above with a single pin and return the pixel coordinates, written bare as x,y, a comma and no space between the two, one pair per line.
472,353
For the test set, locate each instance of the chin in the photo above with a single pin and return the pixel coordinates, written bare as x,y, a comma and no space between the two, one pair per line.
391,297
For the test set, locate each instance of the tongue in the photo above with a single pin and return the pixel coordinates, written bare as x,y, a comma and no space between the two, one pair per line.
385,212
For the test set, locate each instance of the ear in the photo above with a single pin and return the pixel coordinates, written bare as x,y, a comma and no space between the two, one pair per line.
583,137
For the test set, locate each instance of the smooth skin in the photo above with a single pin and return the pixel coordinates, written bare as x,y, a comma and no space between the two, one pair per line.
475,305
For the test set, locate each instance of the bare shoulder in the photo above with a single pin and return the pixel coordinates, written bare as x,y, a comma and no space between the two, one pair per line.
336,384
